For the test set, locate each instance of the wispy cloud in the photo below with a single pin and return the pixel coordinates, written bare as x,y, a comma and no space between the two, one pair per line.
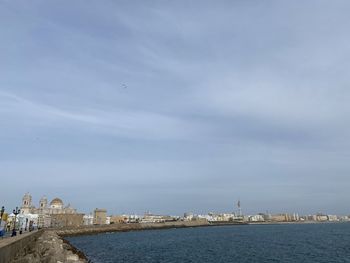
236,97
124,123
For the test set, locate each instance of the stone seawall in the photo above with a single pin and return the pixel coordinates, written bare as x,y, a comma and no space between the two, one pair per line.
38,247
92,230
10,247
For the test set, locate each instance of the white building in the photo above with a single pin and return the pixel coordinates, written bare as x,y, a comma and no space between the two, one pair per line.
27,220
256,218
333,218
88,220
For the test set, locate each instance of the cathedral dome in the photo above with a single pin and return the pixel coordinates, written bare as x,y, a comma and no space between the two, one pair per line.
56,203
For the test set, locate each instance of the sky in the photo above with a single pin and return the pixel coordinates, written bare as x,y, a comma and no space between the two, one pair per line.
176,106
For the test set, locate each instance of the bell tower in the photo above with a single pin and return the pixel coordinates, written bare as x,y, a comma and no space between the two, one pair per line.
26,204
43,203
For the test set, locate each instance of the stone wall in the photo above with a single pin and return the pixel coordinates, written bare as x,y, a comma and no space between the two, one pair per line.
38,247
9,247
67,220
91,230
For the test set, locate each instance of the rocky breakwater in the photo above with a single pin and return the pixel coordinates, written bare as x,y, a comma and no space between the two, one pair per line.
96,229
48,248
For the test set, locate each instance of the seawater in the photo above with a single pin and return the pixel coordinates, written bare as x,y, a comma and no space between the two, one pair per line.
244,243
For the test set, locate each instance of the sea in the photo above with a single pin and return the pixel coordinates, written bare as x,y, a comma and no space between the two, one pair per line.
328,242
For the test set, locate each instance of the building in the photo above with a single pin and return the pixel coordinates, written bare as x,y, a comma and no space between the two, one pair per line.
311,218
44,220
88,220
119,219
321,217
256,218
151,218
279,218
27,207
46,212
100,216
221,217
67,220
188,216
333,218
56,206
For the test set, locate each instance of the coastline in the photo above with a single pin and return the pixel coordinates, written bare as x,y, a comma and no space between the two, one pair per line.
98,229
51,245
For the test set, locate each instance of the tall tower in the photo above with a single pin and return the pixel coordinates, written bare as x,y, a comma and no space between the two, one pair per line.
26,204
43,203
239,208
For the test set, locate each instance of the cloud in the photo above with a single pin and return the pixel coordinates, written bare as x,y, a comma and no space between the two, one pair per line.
243,98
124,123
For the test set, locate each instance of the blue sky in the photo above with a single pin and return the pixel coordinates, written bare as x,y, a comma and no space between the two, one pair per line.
175,106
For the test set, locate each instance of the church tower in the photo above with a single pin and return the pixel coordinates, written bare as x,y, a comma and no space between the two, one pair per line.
26,204
43,203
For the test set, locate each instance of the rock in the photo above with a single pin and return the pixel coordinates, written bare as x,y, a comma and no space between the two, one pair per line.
72,257
49,248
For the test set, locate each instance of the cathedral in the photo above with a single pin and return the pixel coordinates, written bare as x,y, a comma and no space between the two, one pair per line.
56,206
53,214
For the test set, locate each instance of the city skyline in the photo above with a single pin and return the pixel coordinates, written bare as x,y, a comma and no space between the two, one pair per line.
235,209
176,106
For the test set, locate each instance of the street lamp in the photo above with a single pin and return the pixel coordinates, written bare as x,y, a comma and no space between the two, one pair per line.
25,229
15,212
1,214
